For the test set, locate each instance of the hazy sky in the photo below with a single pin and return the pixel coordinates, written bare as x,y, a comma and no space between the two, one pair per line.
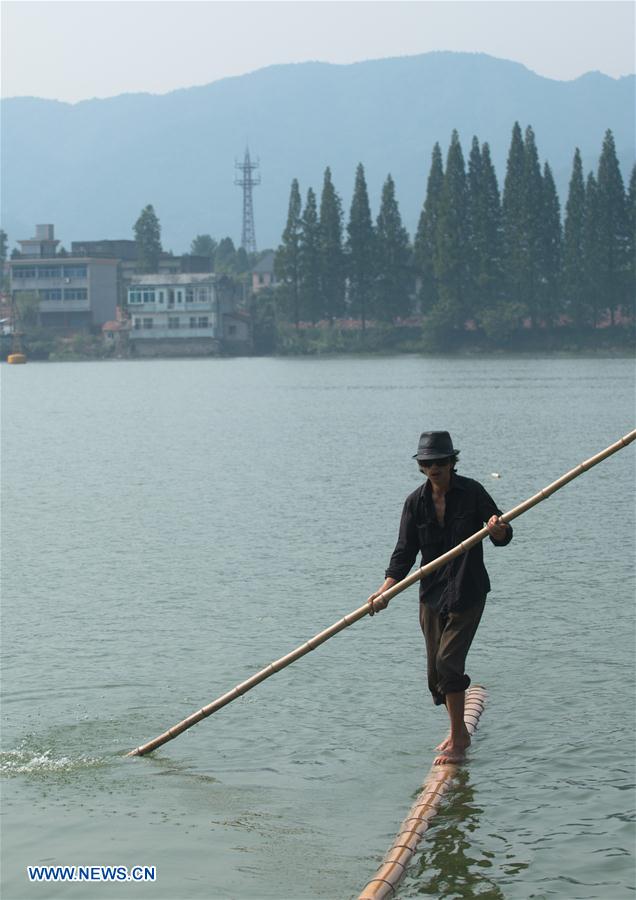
100,48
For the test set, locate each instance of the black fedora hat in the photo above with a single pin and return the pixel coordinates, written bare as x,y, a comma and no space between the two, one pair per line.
435,445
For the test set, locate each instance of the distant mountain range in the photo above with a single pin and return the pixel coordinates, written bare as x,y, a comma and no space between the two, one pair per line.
90,167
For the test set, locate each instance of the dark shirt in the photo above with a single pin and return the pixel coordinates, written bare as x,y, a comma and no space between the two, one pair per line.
464,580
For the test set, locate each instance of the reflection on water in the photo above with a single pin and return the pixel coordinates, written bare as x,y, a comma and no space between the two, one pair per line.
448,865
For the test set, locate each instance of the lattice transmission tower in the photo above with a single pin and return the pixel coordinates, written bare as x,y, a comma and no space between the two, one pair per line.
247,181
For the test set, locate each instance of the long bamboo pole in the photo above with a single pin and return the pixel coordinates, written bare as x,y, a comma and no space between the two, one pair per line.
385,881
381,601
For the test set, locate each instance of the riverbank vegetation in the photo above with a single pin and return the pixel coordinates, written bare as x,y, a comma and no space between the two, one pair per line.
484,270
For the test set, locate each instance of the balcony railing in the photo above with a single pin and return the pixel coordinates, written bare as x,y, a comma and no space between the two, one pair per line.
44,281
63,306
138,334
184,308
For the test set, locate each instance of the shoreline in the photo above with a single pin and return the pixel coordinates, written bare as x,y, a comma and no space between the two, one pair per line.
328,342
499,353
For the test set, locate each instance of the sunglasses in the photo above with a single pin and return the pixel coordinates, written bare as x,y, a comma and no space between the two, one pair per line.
427,463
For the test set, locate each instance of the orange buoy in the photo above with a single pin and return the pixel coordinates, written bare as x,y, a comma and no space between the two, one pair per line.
16,359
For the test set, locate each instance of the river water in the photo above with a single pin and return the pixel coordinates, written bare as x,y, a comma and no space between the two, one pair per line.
171,526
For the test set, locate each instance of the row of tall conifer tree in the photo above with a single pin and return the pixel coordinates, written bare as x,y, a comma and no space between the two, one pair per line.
499,260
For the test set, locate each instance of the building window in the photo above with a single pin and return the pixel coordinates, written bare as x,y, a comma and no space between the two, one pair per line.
193,321
51,295
137,323
76,294
173,321
75,271
179,296
50,272
160,296
203,321
231,329
189,295
134,297
203,295
147,323
149,296
261,279
24,272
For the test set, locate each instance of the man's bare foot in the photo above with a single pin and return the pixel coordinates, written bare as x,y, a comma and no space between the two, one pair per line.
447,741
453,753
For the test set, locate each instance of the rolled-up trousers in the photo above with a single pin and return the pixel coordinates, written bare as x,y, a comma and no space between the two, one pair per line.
448,638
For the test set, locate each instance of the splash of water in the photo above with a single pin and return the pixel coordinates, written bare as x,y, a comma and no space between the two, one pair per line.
30,761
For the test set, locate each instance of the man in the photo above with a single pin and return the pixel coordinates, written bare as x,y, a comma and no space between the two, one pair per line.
444,511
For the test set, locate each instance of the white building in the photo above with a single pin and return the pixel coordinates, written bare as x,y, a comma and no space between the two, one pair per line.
183,314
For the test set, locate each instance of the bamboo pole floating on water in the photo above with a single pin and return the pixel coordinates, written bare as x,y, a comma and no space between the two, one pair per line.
364,610
385,881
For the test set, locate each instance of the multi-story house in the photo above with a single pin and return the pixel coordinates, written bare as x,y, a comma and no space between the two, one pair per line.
186,314
126,251
74,293
263,274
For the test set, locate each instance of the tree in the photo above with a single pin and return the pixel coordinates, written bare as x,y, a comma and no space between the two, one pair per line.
573,264
498,313
393,254
426,235
631,243
332,267
4,248
474,213
360,249
532,274
310,293
27,309
451,259
225,257
148,237
550,248
203,245
263,311
242,261
484,249
612,227
490,268
484,231
512,208
592,279
287,261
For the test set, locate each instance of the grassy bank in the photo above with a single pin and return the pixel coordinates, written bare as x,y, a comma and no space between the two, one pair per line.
323,340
